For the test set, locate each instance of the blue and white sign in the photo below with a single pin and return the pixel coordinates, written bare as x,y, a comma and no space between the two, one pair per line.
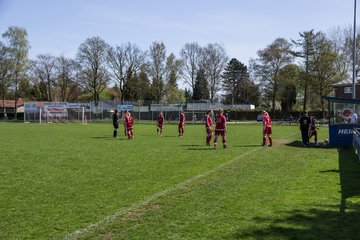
125,107
31,107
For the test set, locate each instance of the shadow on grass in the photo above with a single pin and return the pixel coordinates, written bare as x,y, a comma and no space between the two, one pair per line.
249,145
109,138
197,149
318,222
349,168
299,144
193,145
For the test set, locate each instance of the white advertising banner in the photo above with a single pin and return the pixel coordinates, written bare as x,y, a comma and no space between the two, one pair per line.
55,109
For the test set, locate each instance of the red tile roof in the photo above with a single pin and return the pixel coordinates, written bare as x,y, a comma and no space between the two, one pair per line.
11,103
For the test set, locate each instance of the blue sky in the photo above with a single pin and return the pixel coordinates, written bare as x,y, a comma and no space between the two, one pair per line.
58,27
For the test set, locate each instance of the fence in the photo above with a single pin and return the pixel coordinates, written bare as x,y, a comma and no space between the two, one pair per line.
86,112
356,141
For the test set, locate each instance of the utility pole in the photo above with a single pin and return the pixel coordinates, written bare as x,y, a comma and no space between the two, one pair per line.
354,55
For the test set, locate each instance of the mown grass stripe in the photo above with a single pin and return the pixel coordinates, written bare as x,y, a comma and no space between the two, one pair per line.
80,232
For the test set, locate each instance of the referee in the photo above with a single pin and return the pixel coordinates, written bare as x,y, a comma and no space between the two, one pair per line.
115,123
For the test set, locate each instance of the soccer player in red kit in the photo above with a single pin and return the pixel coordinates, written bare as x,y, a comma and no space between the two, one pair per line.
208,125
125,114
267,128
129,125
160,124
181,124
220,128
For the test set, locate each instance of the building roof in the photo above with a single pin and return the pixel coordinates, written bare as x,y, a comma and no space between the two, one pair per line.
346,82
11,103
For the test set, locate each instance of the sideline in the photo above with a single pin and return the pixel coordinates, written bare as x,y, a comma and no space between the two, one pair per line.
78,233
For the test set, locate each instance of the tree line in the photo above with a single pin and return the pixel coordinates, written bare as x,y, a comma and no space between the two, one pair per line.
287,74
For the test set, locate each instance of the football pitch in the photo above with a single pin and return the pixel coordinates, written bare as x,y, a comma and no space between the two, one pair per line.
73,181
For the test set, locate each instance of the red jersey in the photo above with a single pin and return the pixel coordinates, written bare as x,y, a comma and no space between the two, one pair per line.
182,119
160,121
129,121
220,121
208,123
266,121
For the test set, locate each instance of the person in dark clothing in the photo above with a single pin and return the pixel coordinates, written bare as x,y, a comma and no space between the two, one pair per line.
304,128
115,123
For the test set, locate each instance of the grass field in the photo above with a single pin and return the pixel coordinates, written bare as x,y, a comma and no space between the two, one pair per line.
70,181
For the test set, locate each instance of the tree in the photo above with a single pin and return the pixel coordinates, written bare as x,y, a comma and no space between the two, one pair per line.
5,70
288,78
234,77
214,62
157,69
143,88
201,90
187,95
124,61
307,51
92,74
65,82
324,68
18,48
191,55
172,73
342,42
266,68
44,75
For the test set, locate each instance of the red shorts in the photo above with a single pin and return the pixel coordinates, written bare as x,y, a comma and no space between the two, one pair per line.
267,130
160,126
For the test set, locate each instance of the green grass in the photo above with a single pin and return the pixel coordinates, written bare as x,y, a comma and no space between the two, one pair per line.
74,181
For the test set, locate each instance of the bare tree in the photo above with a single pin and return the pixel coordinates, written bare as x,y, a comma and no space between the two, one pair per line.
44,75
214,62
157,67
342,41
124,61
66,85
191,55
92,74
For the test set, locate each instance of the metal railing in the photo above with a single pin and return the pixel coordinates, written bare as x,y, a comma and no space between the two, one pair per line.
356,141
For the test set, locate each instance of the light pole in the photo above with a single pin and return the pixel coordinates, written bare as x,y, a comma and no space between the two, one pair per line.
354,55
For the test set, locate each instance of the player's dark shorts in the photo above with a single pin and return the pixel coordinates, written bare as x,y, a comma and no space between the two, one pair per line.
267,130
160,126
208,131
116,125
312,133
220,132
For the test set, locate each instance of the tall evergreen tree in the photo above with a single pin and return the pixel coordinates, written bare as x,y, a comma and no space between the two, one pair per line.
306,43
234,77
288,78
201,90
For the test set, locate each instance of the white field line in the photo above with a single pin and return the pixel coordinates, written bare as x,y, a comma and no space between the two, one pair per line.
78,233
